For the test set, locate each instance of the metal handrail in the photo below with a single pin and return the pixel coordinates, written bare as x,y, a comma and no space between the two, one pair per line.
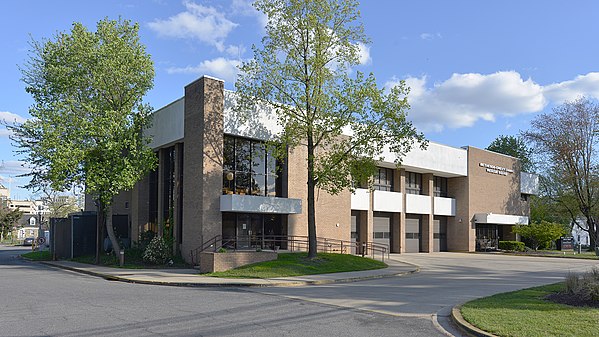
205,245
292,243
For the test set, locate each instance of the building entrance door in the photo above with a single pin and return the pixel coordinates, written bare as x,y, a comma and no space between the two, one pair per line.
487,237
250,230
244,231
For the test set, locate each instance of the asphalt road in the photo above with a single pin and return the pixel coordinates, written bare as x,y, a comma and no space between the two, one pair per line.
37,300
445,280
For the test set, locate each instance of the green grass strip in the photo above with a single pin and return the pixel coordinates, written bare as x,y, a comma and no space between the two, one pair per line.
586,255
38,256
297,264
525,313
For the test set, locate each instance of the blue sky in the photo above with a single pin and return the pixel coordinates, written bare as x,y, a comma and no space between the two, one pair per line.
477,69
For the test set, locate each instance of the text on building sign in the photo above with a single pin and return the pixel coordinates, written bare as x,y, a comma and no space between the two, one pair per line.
496,169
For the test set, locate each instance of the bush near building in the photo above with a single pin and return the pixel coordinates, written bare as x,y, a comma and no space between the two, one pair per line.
157,251
541,234
515,246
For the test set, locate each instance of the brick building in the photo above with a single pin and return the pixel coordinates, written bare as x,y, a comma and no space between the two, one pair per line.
215,177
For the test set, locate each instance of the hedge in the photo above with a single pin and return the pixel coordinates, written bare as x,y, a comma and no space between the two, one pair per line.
516,246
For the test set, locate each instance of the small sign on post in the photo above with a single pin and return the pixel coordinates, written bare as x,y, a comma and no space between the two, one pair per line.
566,243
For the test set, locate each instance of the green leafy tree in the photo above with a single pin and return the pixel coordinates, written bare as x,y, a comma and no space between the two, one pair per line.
541,234
8,219
515,147
544,208
304,71
565,142
88,113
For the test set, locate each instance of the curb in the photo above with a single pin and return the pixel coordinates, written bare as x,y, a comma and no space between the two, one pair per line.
464,326
229,284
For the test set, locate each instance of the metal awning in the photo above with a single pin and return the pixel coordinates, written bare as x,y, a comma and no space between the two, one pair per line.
500,219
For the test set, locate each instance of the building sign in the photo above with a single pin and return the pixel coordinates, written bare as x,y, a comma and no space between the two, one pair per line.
496,169
566,243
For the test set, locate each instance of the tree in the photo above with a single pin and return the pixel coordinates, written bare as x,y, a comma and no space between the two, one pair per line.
8,219
515,147
541,234
302,72
545,208
60,205
565,142
88,113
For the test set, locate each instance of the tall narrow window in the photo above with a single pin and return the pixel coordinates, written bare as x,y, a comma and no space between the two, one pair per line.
258,169
383,179
413,183
440,186
243,164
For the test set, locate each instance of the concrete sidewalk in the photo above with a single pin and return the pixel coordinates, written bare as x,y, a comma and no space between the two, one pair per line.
192,278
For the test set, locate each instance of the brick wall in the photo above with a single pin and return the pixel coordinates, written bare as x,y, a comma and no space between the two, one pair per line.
211,262
333,212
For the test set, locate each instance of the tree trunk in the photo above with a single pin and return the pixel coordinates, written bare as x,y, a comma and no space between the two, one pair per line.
110,230
312,244
99,226
593,233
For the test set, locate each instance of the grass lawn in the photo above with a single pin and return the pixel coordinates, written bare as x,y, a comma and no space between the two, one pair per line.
297,264
525,313
38,256
556,253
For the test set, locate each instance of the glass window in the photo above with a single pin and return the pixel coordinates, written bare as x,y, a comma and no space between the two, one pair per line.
271,185
258,184
229,154
248,168
413,183
440,186
243,155
383,179
258,158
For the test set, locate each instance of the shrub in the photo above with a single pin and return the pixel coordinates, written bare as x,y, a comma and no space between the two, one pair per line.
584,286
541,234
515,246
157,251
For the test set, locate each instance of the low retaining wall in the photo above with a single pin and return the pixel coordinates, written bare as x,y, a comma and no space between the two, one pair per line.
211,262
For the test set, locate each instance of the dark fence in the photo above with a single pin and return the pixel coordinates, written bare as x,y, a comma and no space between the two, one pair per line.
76,235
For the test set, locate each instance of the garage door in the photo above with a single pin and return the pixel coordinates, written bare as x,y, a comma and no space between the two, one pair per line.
381,228
412,234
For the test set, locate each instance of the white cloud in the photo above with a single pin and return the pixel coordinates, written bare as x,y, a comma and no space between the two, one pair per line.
364,54
430,36
14,167
582,85
244,7
464,99
200,22
235,51
9,117
5,133
220,67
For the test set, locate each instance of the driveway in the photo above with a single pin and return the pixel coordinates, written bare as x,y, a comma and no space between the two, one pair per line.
446,279
38,300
